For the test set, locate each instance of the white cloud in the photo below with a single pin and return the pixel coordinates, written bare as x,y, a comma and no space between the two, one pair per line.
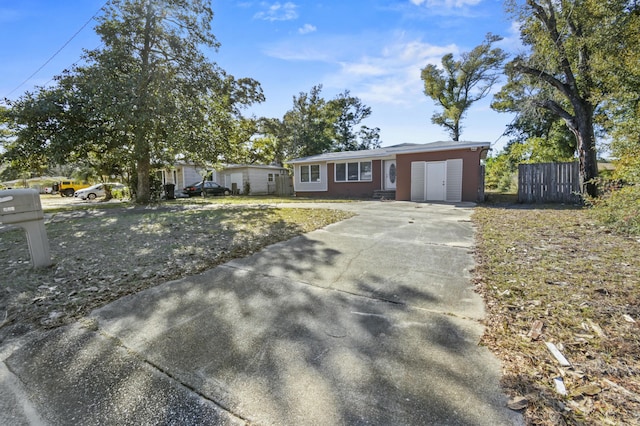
381,68
278,12
307,28
392,75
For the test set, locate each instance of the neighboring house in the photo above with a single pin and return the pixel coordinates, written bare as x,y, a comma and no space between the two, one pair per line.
252,179
258,179
184,174
438,171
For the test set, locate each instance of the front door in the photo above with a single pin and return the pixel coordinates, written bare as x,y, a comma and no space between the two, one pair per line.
436,181
390,174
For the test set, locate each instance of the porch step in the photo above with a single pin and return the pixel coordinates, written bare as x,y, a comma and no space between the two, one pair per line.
382,194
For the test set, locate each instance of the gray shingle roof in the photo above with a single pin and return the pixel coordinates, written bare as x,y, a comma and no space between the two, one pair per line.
391,151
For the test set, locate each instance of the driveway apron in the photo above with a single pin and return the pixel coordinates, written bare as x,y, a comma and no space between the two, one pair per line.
372,320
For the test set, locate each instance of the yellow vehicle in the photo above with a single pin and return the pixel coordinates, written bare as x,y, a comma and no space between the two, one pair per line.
67,188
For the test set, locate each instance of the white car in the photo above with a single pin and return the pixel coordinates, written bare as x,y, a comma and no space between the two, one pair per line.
95,191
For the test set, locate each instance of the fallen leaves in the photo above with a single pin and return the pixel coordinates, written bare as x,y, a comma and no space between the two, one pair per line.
549,276
102,255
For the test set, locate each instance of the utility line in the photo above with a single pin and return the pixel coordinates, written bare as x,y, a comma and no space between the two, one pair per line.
58,51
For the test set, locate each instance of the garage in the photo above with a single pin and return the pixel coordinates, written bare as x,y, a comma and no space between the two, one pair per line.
436,180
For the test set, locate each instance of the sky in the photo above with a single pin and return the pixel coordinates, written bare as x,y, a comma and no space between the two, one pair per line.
375,49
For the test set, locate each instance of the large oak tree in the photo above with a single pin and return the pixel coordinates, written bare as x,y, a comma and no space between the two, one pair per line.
147,96
567,70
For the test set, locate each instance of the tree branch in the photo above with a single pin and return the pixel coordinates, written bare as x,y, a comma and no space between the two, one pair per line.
566,89
548,19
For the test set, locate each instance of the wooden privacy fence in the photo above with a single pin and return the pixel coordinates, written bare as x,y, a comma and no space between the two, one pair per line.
284,185
549,183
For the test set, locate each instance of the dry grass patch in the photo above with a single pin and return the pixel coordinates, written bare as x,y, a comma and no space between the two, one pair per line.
555,266
100,255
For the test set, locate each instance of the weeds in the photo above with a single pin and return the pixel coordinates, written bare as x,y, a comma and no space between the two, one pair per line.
558,266
619,210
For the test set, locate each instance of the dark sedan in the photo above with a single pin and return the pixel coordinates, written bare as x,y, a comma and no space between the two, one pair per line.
212,188
193,190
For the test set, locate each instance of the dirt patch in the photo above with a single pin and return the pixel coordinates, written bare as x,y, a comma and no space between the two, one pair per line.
101,254
550,275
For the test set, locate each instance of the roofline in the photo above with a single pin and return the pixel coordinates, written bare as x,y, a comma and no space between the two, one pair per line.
390,152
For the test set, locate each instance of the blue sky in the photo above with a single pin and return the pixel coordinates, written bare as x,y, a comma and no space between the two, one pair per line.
375,49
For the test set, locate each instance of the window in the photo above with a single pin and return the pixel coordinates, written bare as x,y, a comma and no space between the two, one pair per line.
365,170
341,172
353,172
310,173
270,177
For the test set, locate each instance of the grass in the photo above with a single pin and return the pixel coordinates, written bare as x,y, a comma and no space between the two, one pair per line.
557,265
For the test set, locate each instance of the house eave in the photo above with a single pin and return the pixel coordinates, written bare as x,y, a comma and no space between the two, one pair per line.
390,153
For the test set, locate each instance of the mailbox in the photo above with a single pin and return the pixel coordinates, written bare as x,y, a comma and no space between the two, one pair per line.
22,207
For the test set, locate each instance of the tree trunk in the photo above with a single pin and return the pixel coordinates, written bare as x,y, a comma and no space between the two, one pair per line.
142,144
143,166
456,131
586,142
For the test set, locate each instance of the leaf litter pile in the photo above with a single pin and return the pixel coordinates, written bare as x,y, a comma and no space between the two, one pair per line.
100,255
563,313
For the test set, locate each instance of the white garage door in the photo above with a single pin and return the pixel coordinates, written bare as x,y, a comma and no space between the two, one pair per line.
436,180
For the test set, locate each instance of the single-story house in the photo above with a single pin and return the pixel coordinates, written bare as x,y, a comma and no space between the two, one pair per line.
439,171
252,179
257,179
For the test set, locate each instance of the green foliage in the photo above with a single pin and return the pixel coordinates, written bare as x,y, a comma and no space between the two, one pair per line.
346,113
580,55
460,83
499,173
121,194
315,126
146,96
619,210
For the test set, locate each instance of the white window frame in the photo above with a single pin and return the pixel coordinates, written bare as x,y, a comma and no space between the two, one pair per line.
309,168
346,171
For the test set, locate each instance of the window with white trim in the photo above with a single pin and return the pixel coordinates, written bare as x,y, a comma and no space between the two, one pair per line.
310,173
353,172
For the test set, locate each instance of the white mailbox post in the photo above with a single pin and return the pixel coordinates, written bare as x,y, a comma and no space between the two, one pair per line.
21,207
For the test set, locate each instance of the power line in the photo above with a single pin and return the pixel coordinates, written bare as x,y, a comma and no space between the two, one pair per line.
57,51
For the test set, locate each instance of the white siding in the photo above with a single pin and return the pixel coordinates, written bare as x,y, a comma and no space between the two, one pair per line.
237,179
454,180
190,175
418,170
311,186
259,179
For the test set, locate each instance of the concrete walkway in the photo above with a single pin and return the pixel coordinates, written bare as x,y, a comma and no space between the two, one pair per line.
370,321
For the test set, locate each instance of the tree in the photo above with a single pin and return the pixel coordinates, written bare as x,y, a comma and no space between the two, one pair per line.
460,83
165,87
348,112
146,97
566,68
622,102
315,126
537,135
308,125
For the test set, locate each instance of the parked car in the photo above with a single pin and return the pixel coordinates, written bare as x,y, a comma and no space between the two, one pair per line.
67,188
96,191
193,189
212,188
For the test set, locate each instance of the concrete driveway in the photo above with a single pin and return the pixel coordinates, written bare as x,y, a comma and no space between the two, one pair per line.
368,321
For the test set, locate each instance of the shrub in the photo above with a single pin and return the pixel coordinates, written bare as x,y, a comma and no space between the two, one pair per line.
619,210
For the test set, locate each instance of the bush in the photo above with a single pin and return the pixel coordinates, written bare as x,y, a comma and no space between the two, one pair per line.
121,194
619,210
